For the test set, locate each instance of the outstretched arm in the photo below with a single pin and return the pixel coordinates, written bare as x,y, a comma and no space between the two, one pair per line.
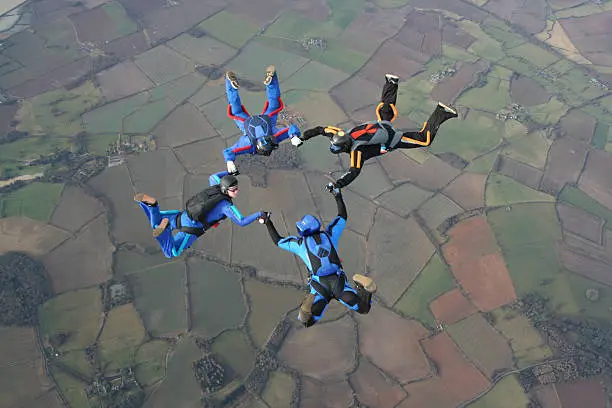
233,214
340,204
358,157
336,227
242,146
310,133
286,132
274,235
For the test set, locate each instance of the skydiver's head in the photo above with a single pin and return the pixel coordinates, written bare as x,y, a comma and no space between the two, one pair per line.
229,185
308,225
259,128
341,143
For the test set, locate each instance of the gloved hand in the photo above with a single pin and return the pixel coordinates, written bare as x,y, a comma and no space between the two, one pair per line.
319,130
231,168
296,141
332,188
265,216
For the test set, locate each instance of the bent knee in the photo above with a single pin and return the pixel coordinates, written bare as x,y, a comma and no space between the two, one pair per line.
349,298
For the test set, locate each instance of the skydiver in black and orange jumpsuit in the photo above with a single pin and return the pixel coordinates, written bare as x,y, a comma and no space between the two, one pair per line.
373,139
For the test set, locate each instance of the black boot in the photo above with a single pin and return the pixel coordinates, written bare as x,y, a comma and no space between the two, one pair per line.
441,114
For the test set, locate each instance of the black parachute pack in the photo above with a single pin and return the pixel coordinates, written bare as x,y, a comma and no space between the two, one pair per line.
322,254
198,207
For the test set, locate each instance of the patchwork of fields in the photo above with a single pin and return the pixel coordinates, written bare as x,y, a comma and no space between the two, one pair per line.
512,198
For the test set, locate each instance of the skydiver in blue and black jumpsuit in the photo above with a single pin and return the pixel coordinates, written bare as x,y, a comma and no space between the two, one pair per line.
372,139
317,249
177,230
260,135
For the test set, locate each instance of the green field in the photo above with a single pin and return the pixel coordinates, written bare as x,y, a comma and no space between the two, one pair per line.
162,64
33,147
180,388
58,112
151,362
458,54
255,56
278,390
493,96
121,337
469,138
36,201
548,113
146,117
507,393
268,304
391,3
97,144
528,235
216,298
529,148
437,209
433,281
485,46
483,164
78,314
599,309
179,89
234,351
344,12
160,298
121,22
71,388
108,118
600,138
229,28
538,56
574,196
127,262
315,76
503,191
525,341
500,31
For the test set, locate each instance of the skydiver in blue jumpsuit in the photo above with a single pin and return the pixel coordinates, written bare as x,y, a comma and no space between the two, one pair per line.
317,249
176,230
260,135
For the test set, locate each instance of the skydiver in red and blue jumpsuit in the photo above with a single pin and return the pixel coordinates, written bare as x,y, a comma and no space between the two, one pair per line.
260,135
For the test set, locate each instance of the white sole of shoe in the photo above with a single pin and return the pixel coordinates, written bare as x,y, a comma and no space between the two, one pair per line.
447,108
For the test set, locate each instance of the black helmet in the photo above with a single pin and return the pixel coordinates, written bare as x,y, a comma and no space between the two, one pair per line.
340,142
227,182
266,145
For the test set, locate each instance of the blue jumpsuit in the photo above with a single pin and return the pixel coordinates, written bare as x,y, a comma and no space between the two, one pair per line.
174,245
236,111
297,245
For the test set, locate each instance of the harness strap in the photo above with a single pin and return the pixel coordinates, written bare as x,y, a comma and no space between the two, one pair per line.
198,232
369,129
322,290
336,291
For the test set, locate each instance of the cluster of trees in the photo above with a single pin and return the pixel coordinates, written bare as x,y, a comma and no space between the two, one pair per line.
265,362
209,374
23,287
582,346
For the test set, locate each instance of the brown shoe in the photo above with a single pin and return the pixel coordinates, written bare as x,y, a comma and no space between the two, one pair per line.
270,71
365,282
305,312
231,77
143,198
161,227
